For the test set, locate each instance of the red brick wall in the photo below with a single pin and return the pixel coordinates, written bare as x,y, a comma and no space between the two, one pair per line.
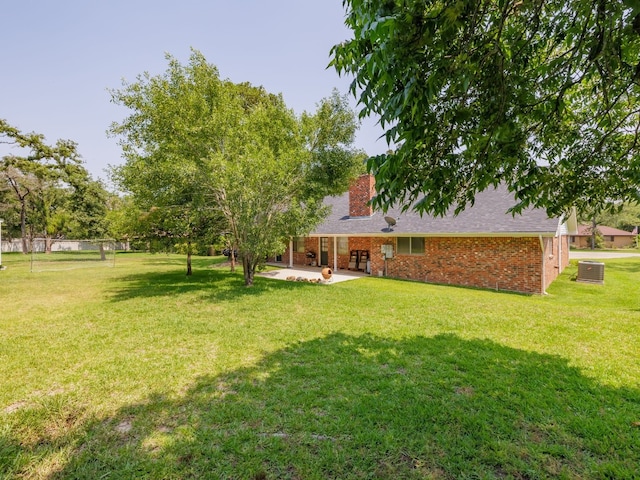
300,258
550,260
565,251
360,192
343,261
359,243
553,265
513,264
503,263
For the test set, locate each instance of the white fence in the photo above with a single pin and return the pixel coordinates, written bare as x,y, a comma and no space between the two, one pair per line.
15,245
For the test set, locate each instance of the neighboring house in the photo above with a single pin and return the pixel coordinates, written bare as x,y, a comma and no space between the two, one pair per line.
484,246
611,237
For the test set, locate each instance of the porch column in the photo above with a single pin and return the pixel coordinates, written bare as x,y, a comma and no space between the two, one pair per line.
291,253
335,253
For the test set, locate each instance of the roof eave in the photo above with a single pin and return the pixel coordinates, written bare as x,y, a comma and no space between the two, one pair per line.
439,234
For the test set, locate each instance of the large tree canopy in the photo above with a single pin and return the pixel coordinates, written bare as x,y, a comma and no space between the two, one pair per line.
542,95
47,184
199,144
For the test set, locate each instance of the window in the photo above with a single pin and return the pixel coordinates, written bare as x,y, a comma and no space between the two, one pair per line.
572,239
612,238
298,245
410,245
343,246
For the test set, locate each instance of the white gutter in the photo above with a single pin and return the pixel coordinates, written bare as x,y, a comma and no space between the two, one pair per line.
559,254
438,235
335,254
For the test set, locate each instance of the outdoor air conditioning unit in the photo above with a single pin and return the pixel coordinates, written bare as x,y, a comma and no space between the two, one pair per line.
590,272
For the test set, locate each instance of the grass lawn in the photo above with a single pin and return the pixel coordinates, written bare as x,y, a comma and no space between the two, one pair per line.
138,371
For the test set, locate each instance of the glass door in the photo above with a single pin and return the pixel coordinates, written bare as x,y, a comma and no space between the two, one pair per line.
324,250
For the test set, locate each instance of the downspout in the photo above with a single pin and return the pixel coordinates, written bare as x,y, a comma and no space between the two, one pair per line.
560,239
290,252
335,254
543,276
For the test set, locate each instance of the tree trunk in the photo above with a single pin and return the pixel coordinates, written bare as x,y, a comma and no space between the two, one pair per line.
248,271
189,271
23,225
103,255
232,257
47,244
594,226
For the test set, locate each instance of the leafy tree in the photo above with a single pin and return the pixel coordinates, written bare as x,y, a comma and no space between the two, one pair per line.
540,95
54,193
36,177
122,218
209,146
9,212
21,184
626,218
88,204
48,215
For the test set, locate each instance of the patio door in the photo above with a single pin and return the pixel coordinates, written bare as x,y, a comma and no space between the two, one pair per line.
324,250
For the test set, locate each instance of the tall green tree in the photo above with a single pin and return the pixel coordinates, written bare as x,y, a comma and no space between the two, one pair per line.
540,95
204,144
626,218
37,176
88,206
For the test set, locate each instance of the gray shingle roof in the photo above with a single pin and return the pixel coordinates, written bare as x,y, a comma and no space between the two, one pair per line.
487,217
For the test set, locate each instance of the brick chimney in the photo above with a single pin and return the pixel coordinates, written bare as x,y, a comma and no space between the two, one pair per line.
361,191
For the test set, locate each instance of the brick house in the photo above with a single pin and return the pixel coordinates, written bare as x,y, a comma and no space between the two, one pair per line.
481,247
611,237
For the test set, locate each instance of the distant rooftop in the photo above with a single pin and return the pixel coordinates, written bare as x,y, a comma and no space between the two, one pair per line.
585,231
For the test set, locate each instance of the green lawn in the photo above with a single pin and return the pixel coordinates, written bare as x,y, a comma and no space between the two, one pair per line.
138,371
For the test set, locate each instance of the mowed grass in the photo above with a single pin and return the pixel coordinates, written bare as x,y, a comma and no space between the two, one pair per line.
138,371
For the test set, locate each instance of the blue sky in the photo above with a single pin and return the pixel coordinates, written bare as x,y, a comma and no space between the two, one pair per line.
59,58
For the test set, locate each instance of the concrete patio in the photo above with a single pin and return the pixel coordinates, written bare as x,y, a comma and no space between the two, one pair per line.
311,273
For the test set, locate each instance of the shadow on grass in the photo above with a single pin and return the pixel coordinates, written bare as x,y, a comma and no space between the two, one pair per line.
368,407
213,284
626,267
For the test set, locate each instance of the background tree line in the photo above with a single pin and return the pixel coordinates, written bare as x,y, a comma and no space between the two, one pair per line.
45,191
206,161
